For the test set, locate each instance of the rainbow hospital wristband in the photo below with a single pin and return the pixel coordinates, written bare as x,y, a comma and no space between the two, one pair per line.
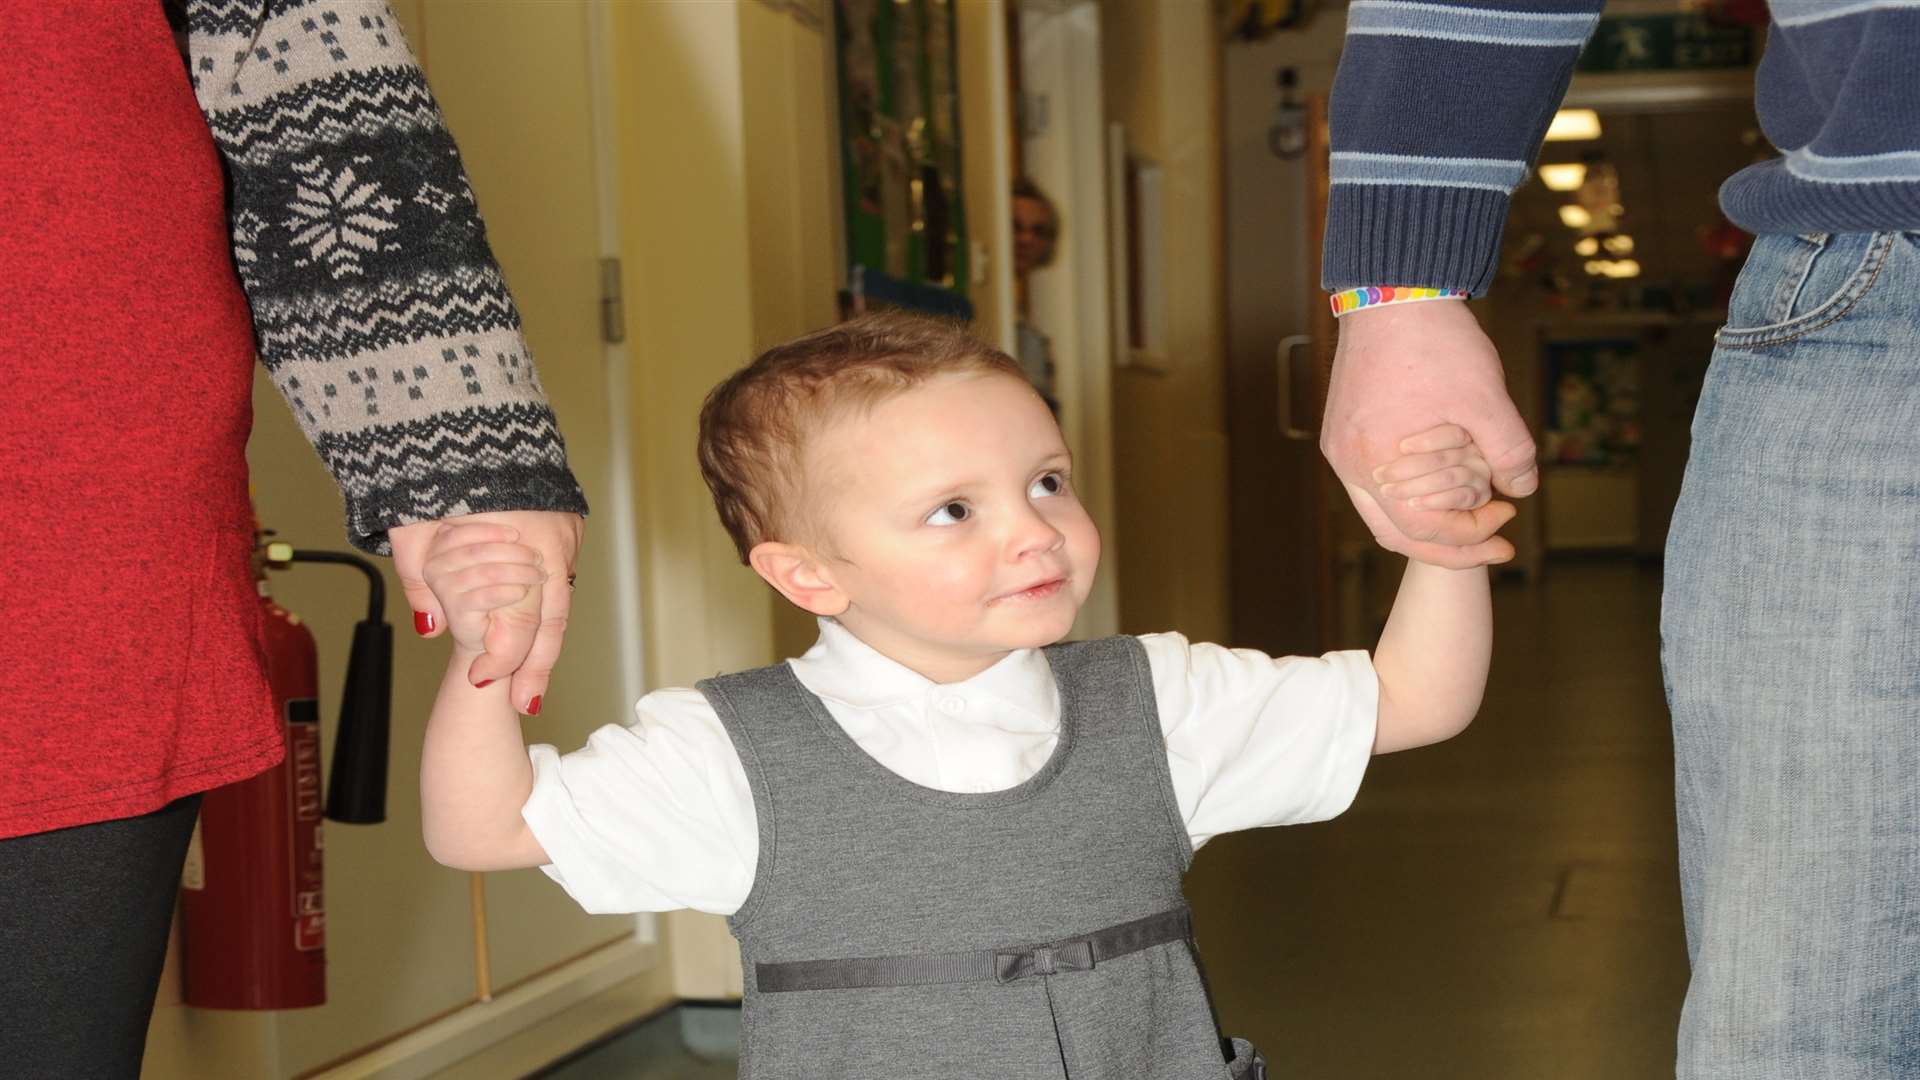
1376,295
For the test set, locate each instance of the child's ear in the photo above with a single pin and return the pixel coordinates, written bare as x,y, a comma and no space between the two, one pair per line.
798,575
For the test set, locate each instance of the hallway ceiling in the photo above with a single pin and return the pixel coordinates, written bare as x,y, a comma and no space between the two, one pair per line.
1670,165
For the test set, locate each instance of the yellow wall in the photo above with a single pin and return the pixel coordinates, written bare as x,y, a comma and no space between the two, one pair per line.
793,208
1170,442
691,301
689,317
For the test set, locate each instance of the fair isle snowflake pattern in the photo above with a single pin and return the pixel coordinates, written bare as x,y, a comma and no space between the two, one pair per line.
246,239
375,295
438,199
337,216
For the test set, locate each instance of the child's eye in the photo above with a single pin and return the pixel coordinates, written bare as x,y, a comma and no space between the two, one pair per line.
1052,483
952,513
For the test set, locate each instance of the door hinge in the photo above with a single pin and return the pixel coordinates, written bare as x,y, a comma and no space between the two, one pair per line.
613,310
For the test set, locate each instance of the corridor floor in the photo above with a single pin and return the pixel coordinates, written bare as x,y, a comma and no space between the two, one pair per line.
1501,907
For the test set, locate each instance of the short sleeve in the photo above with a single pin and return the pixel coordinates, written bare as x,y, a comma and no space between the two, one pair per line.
653,816
1255,740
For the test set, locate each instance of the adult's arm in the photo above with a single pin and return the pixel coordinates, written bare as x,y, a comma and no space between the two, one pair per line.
379,310
1437,114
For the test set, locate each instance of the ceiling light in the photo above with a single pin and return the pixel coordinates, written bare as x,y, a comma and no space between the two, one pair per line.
1571,125
1563,177
1575,217
1613,268
1619,244
1586,247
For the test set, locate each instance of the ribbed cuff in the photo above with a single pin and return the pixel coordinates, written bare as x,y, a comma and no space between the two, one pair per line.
430,472
540,487
1441,237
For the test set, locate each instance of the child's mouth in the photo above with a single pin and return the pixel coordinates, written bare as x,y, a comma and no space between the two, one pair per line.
1037,592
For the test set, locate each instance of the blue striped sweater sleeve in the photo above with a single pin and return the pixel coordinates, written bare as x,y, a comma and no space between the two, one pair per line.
1438,110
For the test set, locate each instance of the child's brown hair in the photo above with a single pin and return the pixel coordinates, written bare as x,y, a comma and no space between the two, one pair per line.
754,425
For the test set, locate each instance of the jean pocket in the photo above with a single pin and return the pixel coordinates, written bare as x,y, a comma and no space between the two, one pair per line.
1793,286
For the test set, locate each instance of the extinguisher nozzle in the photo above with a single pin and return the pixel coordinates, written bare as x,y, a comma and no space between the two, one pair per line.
357,790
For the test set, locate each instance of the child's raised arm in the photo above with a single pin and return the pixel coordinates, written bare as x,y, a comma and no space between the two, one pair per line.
1432,658
474,771
1433,655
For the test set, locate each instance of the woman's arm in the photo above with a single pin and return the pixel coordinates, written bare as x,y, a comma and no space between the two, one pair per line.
378,307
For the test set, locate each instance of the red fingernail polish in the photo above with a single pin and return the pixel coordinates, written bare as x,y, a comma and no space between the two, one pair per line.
423,623
533,707
483,684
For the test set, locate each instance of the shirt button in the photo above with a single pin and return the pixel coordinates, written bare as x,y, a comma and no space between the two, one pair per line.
953,706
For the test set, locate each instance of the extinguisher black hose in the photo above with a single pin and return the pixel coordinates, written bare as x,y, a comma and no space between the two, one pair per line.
376,585
357,789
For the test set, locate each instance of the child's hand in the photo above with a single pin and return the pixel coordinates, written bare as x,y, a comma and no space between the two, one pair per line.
478,573
1441,470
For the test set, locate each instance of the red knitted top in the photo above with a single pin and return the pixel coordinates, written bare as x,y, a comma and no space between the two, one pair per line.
130,671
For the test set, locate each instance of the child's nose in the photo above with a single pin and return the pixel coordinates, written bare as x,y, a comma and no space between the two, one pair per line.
1034,535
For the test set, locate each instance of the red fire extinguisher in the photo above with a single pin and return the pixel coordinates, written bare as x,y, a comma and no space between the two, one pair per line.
253,912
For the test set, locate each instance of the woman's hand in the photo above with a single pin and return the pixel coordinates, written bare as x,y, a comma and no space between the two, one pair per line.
522,638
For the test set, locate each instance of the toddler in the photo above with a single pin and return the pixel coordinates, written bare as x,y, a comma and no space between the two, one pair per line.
950,844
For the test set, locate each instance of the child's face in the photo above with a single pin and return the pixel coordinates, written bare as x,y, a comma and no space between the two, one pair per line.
954,532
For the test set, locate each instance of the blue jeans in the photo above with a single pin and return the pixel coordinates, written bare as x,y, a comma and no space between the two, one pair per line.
1790,638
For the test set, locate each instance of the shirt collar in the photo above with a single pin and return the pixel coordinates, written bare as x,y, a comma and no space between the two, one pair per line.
843,669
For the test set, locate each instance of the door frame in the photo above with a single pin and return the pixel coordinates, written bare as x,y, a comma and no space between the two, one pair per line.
1060,68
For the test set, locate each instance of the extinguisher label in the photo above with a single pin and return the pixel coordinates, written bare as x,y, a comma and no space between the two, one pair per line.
303,753
303,719
310,932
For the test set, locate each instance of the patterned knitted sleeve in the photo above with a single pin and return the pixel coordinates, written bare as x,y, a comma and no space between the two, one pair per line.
1438,110
378,308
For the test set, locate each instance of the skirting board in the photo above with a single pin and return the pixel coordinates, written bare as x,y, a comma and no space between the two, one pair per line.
470,1035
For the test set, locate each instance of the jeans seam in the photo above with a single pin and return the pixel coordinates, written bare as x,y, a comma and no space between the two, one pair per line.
1878,252
1780,307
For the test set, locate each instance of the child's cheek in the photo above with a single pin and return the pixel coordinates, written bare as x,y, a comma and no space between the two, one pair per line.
1082,540
947,583
956,579
1089,544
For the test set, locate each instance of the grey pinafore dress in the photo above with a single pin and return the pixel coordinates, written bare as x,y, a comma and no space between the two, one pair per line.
896,931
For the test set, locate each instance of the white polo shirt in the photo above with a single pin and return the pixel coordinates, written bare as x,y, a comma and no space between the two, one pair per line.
658,814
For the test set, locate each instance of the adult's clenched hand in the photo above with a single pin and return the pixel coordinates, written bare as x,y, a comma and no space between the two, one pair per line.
1403,369
534,628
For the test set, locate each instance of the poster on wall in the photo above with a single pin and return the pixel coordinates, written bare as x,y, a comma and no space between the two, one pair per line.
1593,402
900,156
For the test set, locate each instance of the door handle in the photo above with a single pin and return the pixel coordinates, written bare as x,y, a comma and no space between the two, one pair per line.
1288,346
